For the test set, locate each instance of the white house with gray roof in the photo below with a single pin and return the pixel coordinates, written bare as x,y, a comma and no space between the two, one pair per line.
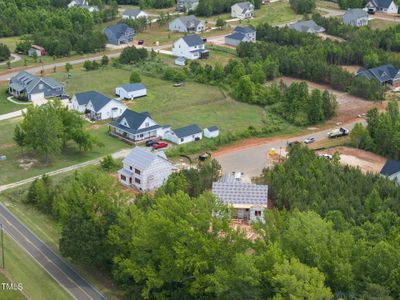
131,91
385,6
241,34
31,87
83,4
133,14
356,17
248,200
307,26
184,135
190,47
242,10
145,170
391,170
186,5
134,127
97,106
187,24
211,132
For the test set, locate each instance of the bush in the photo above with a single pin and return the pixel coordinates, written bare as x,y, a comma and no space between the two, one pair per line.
4,52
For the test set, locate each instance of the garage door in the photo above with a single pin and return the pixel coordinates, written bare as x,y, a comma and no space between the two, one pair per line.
37,96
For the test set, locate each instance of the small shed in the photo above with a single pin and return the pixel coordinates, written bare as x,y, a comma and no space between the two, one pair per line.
211,132
131,91
40,51
184,135
180,61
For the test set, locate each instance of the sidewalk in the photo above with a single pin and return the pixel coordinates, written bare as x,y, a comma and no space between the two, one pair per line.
13,114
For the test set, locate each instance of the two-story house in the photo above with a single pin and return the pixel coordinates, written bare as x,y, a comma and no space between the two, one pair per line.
118,34
145,170
242,10
385,6
134,127
30,87
241,34
190,47
187,24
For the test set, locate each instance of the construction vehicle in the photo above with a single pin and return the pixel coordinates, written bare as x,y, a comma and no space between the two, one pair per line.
338,132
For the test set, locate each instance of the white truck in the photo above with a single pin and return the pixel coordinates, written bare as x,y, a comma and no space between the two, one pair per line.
338,132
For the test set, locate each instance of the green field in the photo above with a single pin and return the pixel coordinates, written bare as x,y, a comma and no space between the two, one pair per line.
7,294
381,24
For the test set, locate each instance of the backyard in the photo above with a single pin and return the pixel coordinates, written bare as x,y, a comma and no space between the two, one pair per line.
8,106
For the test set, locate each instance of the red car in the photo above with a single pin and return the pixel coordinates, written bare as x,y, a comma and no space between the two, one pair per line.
159,145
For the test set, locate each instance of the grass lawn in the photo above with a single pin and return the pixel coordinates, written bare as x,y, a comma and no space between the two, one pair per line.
7,106
10,42
21,268
7,294
380,24
327,4
275,13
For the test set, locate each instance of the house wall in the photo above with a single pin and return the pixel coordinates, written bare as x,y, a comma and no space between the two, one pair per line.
232,42
76,106
257,213
170,136
348,20
182,49
107,111
140,15
48,91
130,95
177,25
395,177
31,51
211,134
237,12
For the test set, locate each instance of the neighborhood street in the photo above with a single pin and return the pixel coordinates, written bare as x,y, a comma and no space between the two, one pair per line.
57,268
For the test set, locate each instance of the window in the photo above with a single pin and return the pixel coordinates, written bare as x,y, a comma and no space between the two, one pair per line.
137,171
123,177
147,124
137,180
257,213
182,139
130,168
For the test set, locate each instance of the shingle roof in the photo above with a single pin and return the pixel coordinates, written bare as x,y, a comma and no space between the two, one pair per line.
382,73
212,128
244,5
132,12
142,158
97,99
190,21
236,36
382,3
134,120
188,130
28,81
244,29
355,13
308,26
118,29
232,191
391,167
131,87
193,40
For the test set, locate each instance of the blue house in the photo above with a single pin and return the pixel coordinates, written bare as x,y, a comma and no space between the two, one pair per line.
118,34
31,87
386,74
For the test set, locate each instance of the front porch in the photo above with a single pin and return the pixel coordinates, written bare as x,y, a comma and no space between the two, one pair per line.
128,139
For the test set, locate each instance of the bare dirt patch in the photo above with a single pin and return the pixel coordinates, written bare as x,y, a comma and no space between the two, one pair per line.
349,107
27,163
6,146
368,162
351,68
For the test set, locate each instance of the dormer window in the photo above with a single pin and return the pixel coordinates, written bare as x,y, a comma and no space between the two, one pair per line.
41,86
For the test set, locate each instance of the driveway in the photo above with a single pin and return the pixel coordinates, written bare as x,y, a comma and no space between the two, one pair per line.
14,58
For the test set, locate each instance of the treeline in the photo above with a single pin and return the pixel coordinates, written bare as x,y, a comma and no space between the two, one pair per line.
4,52
356,246
207,8
302,6
47,130
382,133
307,57
346,4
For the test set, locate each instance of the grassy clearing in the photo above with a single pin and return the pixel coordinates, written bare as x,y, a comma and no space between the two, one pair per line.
327,4
7,294
380,24
5,105
49,231
275,13
10,42
37,284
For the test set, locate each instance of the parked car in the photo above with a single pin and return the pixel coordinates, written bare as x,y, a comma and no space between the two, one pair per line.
309,140
338,132
150,143
160,145
140,42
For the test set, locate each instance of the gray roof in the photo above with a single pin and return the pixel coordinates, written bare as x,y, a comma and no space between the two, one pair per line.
355,13
97,99
188,130
244,29
193,40
212,128
28,81
190,21
131,87
382,73
391,167
142,158
134,120
308,26
118,30
181,58
232,191
382,3
132,12
244,5
236,36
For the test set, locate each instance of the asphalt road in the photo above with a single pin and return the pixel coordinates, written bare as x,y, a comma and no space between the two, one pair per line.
252,160
70,280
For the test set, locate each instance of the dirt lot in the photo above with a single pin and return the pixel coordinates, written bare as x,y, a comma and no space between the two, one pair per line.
349,106
351,68
366,161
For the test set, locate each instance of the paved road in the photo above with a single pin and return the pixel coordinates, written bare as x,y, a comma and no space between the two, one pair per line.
120,154
70,280
251,161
